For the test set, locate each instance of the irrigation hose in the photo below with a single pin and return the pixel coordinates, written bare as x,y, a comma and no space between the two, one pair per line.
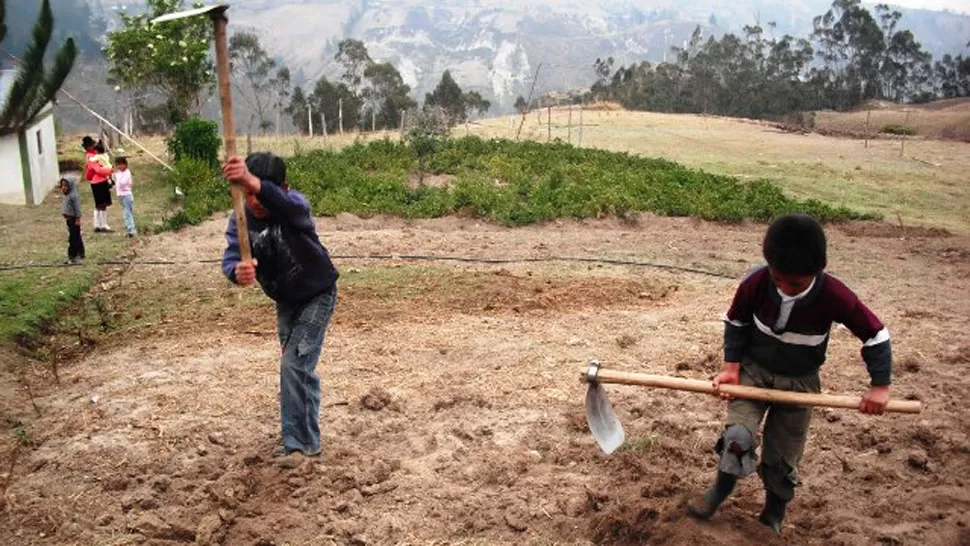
405,257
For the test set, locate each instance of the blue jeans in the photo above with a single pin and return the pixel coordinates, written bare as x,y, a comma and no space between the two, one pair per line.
302,328
127,206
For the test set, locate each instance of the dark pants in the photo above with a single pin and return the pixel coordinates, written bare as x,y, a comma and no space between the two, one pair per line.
75,246
785,426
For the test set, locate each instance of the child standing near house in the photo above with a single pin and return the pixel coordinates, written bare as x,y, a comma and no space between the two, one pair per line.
123,184
71,209
294,269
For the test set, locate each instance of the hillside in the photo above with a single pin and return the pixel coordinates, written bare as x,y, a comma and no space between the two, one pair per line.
494,47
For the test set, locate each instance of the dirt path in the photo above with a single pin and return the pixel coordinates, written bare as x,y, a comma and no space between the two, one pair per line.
453,410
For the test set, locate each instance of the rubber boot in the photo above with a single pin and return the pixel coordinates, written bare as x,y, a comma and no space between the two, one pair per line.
714,496
774,512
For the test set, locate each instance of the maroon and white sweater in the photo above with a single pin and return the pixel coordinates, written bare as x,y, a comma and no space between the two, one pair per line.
789,335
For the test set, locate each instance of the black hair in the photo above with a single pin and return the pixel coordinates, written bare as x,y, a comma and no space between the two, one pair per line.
795,245
87,142
267,166
121,160
99,147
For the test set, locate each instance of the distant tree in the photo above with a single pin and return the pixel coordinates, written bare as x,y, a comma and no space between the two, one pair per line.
475,104
280,86
353,56
386,94
297,109
326,100
253,69
521,106
34,86
449,96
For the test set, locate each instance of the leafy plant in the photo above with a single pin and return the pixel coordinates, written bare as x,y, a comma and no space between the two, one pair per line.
172,57
205,192
898,129
196,139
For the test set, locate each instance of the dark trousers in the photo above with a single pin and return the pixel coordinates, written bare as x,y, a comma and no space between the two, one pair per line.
75,246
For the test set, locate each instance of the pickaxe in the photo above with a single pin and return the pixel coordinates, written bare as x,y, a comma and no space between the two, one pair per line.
608,431
220,23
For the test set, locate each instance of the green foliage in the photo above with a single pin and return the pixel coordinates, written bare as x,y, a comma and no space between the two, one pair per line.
852,56
204,189
898,129
34,87
172,57
516,183
196,139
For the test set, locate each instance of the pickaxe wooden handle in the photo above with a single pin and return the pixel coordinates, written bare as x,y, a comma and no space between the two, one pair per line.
741,391
220,23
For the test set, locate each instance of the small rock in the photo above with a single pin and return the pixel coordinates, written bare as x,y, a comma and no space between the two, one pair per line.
209,531
833,417
918,460
296,482
576,507
217,438
375,400
883,449
534,455
152,526
104,520
252,459
575,342
516,523
161,484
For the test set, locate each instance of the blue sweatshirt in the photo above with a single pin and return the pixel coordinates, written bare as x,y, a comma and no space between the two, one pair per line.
292,265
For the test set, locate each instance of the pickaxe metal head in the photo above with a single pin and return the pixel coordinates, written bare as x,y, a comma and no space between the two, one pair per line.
213,11
602,420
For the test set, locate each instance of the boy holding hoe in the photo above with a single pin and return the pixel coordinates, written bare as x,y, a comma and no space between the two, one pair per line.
294,269
775,336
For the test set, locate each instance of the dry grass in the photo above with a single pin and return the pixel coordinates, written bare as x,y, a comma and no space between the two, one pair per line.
946,119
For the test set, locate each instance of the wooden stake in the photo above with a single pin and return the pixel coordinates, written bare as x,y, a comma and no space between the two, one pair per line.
569,125
868,116
340,115
548,123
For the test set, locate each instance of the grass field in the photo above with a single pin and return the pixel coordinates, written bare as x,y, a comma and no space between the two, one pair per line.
30,298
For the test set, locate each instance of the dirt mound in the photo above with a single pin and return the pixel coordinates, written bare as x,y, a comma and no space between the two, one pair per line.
887,230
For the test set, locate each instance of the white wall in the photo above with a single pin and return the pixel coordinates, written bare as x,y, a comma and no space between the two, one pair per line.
43,158
11,172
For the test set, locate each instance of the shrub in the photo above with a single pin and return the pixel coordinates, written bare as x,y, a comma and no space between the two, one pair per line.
204,191
898,129
196,139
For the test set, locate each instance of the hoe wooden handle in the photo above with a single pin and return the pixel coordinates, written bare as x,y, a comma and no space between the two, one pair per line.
749,393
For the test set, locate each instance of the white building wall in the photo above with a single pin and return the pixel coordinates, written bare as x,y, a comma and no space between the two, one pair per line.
42,151
11,172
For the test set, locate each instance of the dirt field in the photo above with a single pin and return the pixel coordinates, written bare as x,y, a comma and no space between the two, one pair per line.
453,411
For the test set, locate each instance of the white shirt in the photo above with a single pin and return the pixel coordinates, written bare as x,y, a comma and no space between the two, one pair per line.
787,302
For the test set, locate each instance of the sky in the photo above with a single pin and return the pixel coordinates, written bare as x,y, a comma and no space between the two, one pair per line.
952,5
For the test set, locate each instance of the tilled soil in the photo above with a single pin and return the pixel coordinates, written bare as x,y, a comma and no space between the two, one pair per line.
453,410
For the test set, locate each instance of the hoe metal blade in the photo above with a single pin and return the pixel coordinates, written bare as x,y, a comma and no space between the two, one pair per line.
602,420
190,13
